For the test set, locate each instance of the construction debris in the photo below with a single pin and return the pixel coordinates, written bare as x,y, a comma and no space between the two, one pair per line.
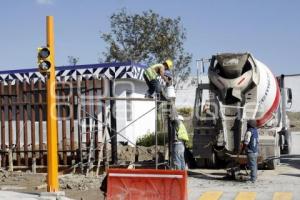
79,182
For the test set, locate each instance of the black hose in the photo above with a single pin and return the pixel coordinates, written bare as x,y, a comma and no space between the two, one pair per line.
282,157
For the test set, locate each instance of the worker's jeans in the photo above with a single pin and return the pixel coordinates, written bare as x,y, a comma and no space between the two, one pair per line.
252,163
178,156
153,85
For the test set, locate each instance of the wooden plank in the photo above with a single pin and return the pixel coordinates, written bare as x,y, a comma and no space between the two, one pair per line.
3,138
96,102
80,115
87,112
63,125
246,196
113,123
72,128
10,127
103,106
25,118
40,110
283,196
32,120
18,118
211,195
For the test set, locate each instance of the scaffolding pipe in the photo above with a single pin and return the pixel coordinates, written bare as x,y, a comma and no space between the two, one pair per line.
112,136
118,132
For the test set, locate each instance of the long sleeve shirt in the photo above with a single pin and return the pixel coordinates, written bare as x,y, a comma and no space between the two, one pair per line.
247,137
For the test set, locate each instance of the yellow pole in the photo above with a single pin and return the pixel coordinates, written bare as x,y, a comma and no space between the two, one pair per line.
52,179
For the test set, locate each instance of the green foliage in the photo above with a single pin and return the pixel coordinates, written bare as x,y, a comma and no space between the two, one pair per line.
185,111
294,118
148,38
148,139
73,60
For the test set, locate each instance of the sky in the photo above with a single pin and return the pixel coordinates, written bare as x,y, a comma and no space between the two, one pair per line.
269,29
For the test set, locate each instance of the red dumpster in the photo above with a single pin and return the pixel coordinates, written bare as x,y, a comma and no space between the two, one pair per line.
146,184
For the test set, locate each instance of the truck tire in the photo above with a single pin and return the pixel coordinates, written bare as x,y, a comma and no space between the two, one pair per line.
271,164
200,162
212,161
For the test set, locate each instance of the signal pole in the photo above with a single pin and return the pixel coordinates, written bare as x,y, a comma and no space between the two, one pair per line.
52,178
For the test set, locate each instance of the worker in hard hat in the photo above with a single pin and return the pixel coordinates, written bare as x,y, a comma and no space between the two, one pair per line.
251,148
152,73
181,137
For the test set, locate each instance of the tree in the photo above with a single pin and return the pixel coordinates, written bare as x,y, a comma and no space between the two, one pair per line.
148,38
73,60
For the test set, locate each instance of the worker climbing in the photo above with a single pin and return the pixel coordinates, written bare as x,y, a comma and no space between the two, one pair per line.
151,75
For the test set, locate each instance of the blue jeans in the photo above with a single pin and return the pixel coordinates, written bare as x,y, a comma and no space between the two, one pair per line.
252,163
178,156
153,86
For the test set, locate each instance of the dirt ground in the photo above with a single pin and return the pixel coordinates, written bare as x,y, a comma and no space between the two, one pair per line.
284,178
81,187
294,118
75,186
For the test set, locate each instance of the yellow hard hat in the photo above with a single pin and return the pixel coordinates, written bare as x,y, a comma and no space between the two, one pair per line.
169,63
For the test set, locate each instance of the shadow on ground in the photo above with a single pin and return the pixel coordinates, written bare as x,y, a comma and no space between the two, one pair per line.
296,175
291,160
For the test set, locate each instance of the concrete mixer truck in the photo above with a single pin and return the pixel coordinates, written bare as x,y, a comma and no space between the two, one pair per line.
239,90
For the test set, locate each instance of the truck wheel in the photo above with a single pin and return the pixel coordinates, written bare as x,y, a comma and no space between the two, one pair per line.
200,162
271,164
212,161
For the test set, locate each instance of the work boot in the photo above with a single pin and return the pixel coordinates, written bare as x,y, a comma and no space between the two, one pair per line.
161,97
252,180
147,95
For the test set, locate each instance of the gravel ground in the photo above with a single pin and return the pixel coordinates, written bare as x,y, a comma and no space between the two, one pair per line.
75,186
294,118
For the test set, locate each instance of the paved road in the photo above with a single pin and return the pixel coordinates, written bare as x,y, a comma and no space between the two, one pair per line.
280,184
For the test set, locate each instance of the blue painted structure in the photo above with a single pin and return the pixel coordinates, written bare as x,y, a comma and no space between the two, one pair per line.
115,70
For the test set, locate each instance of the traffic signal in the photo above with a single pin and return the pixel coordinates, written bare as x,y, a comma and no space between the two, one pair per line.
44,61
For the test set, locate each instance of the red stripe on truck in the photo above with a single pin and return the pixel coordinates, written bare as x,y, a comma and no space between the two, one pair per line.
269,113
241,81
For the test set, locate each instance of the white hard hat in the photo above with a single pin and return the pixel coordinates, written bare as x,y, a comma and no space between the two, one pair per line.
180,117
